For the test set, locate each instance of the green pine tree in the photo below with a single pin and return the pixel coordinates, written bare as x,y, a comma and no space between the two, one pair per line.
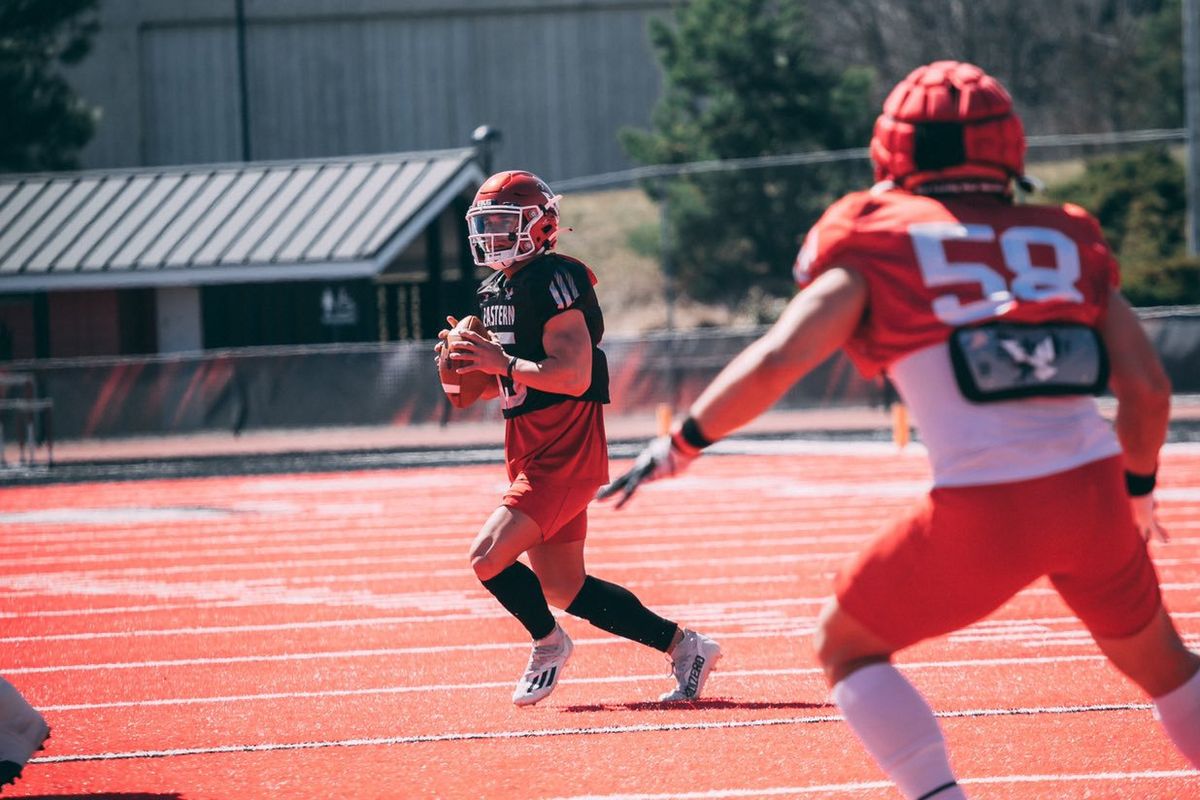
44,123
741,80
1140,200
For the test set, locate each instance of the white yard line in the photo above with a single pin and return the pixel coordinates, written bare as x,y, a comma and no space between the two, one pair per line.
861,786
546,732
479,686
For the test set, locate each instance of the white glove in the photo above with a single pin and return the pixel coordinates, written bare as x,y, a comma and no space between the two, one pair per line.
662,458
1146,519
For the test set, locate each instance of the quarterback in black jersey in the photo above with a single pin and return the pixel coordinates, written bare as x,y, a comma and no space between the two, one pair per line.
545,328
516,309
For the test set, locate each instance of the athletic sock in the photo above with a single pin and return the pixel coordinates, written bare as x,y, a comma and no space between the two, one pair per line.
898,729
615,609
1179,713
519,590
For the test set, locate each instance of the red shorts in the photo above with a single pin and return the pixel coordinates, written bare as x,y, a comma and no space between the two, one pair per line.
962,552
557,457
559,509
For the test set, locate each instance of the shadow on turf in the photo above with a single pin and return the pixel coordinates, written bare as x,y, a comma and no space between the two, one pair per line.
698,705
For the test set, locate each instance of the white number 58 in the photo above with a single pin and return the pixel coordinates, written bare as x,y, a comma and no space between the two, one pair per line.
1032,283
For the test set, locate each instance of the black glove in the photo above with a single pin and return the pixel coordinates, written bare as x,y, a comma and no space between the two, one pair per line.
664,457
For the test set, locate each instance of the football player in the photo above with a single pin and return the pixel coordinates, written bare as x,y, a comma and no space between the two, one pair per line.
545,328
995,322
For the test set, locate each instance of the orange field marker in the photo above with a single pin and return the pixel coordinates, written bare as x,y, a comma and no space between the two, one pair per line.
663,416
900,431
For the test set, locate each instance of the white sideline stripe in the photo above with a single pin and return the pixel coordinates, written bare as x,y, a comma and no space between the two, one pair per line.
724,609
380,652
263,520
21,581
772,791
270,535
351,529
366,561
363,653
369,622
705,537
707,533
379,505
291,592
356,529
527,734
385,690
451,550
89,612
202,605
254,530
983,630
710,536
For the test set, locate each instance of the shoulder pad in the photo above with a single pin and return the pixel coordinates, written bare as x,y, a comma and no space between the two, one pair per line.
575,262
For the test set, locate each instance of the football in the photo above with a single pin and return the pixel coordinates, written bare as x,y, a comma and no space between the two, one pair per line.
463,390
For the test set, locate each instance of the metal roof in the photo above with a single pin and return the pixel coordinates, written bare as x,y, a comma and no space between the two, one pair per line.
330,218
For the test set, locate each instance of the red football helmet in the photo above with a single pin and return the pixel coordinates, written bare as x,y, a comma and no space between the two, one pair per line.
948,121
514,217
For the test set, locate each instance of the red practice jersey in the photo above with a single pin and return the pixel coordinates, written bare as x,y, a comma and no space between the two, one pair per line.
936,264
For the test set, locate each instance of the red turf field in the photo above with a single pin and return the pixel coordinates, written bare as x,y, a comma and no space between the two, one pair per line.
322,636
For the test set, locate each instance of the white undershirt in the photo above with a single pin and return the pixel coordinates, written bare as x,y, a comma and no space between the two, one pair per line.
972,444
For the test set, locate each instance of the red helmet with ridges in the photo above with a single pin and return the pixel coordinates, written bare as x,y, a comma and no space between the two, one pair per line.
948,121
513,218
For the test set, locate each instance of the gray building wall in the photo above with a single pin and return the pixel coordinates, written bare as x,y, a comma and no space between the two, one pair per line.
559,78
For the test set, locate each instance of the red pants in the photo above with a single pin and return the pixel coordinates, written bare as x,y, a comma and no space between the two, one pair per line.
962,552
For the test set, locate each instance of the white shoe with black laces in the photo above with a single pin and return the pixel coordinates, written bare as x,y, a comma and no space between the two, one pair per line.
546,664
691,661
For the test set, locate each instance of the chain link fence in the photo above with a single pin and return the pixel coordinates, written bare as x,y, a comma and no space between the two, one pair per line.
397,383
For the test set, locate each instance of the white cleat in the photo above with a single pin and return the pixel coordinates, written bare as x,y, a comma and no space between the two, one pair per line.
692,659
22,732
546,664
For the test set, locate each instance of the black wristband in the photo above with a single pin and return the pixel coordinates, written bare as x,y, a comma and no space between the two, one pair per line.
1139,485
512,362
689,431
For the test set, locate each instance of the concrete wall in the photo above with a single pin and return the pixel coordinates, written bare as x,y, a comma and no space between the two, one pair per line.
559,78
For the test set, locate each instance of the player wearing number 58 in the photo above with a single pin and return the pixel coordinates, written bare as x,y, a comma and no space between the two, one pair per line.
540,341
996,322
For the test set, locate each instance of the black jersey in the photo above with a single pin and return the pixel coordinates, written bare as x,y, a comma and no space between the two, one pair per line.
517,309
